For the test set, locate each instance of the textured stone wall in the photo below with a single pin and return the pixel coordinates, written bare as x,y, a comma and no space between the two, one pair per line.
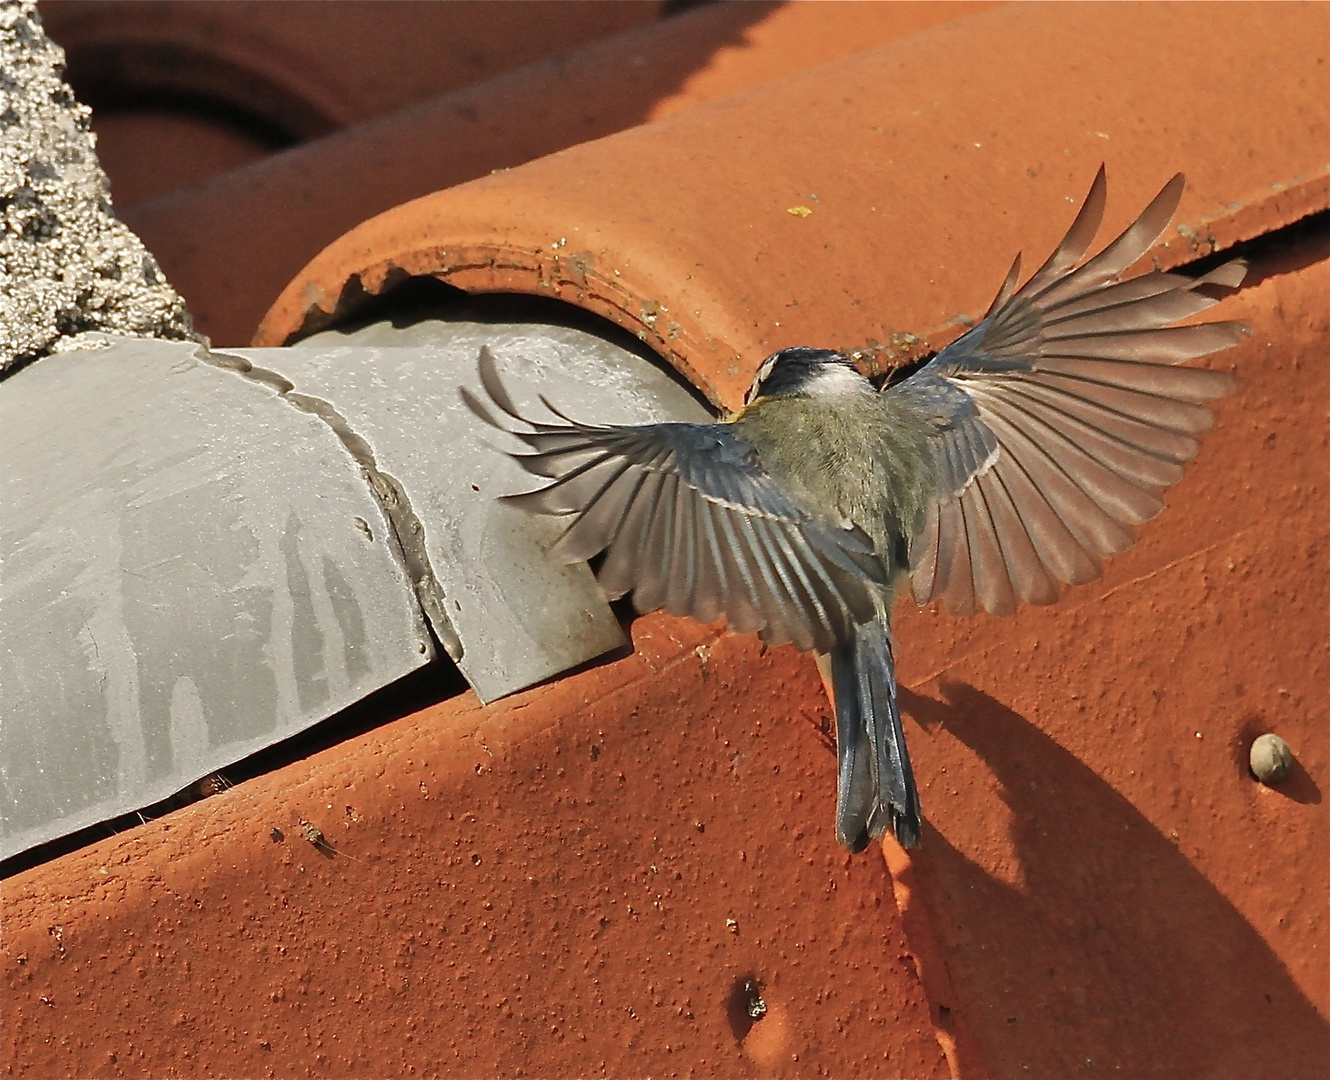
66,264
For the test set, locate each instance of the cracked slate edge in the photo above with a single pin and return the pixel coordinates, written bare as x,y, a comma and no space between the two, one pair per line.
406,526
522,618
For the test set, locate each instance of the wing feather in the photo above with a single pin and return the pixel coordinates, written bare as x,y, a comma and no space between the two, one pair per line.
657,556
1025,569
1073,386
689,521
623,565
988,564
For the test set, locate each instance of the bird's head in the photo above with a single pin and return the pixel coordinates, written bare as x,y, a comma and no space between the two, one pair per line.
805,372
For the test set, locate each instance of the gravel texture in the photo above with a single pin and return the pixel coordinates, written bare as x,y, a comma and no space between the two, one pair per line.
66,264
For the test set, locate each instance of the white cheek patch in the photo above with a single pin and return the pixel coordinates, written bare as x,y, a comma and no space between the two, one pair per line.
837,381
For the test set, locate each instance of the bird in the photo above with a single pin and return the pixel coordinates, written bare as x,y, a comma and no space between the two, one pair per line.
1002,468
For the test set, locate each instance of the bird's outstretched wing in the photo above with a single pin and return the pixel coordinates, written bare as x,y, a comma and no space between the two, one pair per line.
691,522
1061,416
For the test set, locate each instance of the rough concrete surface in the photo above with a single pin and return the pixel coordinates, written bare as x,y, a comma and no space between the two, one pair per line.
66,264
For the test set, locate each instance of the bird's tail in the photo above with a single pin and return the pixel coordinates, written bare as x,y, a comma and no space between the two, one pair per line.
876,783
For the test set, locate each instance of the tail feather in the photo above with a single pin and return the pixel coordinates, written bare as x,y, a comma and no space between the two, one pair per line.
876,784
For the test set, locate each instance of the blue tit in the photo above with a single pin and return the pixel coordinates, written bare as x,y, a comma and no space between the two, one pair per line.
1009,464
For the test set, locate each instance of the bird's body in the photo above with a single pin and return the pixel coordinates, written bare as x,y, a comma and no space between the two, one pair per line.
811,433
874,474
1008,465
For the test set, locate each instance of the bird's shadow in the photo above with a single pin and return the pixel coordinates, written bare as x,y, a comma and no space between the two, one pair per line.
1114,954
